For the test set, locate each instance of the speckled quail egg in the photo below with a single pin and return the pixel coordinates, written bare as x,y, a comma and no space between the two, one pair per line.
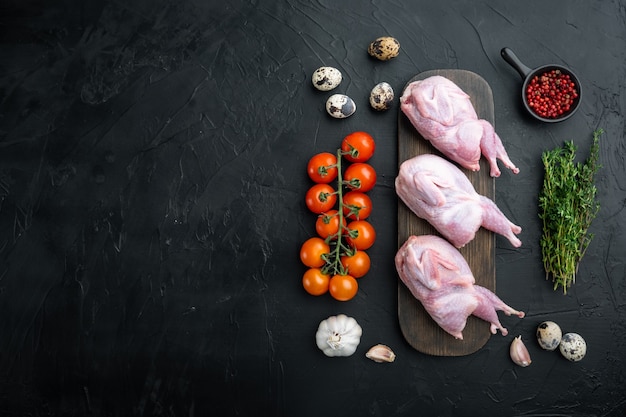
384,48
573,347
326,78
340,106
381,96
549,335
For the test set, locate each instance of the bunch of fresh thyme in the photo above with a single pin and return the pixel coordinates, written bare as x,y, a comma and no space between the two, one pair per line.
567,206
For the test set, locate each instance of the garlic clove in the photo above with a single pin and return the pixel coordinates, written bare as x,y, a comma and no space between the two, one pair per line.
381,353
519,353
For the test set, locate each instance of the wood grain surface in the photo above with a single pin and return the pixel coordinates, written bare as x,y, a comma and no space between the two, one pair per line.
418,328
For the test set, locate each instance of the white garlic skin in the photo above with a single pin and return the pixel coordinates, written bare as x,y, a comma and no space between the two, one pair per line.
549,335
338,335
519,353
573,347
326,78
381,353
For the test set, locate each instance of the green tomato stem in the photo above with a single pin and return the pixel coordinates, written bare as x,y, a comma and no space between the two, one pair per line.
333,262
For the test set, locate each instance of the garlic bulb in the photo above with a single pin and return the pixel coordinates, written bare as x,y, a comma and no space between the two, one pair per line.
519,353
381,353
338,335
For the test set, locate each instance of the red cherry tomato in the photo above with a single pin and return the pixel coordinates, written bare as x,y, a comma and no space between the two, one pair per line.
358,146
327,224
357,264
313,252
343,287
362,234
322,168
315,282
360,176
320,198
356,205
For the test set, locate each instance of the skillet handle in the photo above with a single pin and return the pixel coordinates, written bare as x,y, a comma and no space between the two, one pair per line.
513,60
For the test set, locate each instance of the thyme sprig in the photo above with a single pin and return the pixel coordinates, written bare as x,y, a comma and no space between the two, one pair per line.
568,205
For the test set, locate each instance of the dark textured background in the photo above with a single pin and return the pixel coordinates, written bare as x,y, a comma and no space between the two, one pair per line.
152,175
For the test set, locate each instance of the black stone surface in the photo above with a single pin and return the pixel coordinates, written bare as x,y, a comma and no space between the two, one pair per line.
152,175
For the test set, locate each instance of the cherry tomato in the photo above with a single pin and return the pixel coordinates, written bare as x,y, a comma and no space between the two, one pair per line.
357,264
362,234
313,251
315,282
360,176
327,224
343,287
322,168
356,205
358,147
320,198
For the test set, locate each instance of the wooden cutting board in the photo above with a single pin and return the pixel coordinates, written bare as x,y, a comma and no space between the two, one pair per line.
418,328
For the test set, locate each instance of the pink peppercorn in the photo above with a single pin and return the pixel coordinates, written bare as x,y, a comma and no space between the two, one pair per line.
551,94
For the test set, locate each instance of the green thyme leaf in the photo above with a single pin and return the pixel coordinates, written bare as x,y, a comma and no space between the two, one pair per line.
567,206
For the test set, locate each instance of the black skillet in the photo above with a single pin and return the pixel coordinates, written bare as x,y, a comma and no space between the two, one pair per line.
528,74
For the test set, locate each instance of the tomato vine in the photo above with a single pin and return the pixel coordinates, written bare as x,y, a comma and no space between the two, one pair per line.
344,242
